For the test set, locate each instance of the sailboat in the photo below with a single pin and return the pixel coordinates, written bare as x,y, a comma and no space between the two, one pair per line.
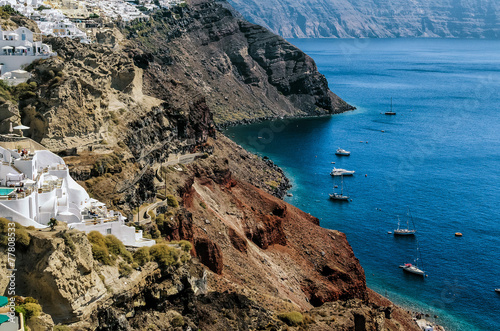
341,196
417,268
405,231
390,112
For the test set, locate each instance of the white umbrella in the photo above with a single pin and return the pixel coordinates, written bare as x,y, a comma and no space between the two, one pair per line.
11,128
21,127
7,47
28,181
21,48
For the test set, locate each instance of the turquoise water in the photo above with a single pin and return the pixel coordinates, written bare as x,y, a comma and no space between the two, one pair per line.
440,155
5,191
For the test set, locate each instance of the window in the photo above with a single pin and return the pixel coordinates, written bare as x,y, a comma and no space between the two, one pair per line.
108,231
23,37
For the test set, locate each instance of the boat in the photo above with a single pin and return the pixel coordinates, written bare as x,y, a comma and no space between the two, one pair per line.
341,172
342,152
415,269
339,197
405,231
497,290
458,234
408,267
391,112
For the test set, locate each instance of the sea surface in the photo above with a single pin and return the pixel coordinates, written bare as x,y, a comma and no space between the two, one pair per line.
439,157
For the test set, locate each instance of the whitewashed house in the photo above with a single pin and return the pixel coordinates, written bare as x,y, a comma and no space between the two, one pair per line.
18,48
35,186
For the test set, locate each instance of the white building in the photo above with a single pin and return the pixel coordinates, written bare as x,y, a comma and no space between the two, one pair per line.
35,186
18,48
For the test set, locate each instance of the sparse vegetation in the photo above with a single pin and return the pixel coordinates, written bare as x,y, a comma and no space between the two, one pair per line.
164,255
293,318
61,328
7,11
124,269
22,236
68,241
107,249
172,201
141,256
273,184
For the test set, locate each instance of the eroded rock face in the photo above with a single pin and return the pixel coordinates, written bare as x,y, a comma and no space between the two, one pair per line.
268,245
244,71
374,18
62,278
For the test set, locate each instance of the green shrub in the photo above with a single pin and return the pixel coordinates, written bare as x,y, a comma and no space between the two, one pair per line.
203,205
141,256
30,300
185,245
101,254
172,201
116,247
292,318
160,219
52,223
32,310
124,269
95,237
165,256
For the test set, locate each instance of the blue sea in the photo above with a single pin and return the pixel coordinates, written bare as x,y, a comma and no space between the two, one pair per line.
439,156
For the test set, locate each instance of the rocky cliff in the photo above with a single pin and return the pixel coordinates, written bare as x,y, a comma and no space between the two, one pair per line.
375,18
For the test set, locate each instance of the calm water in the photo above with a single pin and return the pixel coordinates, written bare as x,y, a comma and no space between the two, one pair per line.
440,155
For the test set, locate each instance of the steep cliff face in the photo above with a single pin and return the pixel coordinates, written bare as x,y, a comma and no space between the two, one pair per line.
375,18
244,71
265,245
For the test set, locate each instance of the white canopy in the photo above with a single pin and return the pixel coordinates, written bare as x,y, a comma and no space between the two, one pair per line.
7,47
13,34
21,127
14,177
28,182
21,47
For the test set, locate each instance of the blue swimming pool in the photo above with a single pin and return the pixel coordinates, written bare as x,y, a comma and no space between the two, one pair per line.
5,191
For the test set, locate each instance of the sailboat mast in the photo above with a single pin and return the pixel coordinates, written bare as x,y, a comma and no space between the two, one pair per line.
391,104
342,185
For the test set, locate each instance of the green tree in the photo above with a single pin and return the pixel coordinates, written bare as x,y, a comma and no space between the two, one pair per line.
52,223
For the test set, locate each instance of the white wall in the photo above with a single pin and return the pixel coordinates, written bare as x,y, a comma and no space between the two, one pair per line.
8,213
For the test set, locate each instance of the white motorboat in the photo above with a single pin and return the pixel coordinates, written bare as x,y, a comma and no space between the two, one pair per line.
342,152
341,172
497,290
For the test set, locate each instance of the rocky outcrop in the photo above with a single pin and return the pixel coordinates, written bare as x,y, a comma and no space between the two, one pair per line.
375,18
250,237
243,70
61,275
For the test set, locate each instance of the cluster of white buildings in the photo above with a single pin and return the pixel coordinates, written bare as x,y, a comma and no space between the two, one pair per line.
19,48
35,186
51,21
